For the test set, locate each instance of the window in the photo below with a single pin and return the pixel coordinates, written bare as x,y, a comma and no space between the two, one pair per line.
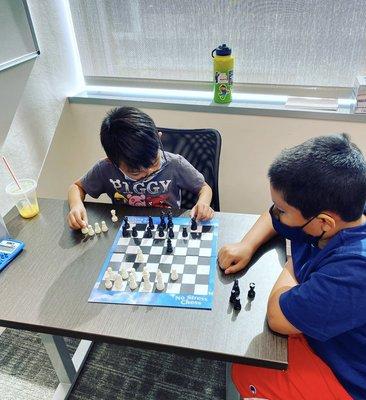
290,42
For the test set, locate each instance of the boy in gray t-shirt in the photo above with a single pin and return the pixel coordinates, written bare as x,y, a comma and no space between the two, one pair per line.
137,172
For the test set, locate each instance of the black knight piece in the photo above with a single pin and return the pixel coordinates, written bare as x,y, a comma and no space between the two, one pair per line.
232,297
126,223
236,287
193,224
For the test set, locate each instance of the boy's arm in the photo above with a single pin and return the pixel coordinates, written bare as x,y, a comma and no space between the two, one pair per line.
77,217
275,317
234,257
202,209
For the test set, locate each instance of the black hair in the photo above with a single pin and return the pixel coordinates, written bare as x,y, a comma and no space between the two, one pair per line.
129,135
323,173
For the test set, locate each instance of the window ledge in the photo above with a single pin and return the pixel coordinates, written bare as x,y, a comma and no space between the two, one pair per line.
202,101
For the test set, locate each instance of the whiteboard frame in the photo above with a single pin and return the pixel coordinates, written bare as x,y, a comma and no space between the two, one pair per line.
28,56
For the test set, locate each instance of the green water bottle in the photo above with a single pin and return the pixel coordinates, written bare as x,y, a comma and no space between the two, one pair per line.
223,65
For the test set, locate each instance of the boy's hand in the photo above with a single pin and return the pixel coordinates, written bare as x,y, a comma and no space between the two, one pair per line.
77,217
202,212
234,257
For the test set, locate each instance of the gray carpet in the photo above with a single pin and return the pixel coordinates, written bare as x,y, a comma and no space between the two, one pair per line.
111,372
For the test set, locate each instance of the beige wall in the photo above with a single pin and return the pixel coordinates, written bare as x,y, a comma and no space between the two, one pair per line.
249,144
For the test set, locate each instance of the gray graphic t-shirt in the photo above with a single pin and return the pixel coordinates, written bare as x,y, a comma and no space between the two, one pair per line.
161,190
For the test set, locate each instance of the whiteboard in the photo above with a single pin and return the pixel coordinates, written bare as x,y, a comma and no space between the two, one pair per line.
18,42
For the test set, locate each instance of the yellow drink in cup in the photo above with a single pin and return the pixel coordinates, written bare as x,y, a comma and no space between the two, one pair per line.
25,199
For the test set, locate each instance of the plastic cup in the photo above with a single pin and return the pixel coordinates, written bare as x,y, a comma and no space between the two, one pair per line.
25,199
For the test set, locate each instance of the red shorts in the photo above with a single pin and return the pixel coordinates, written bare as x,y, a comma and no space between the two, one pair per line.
307,377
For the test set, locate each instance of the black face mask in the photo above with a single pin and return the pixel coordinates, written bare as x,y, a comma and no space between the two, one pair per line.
294,233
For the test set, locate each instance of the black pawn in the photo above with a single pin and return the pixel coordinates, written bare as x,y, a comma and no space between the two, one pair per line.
151,223
148,233
125,232
127,224
170,223
134,231
171,233
161,231
237,305
236,287
169,248
251,292
184,233
232,297
193,224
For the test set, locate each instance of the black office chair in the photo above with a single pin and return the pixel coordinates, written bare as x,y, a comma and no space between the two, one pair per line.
201,147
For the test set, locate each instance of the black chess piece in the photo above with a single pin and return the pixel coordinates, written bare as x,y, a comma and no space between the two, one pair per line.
193,224
148,233
232,297
126,223
184,233
134,231
170,223
236,287
161,231
251,292
162,222
125,232
171,233
169,247
151,223
237,305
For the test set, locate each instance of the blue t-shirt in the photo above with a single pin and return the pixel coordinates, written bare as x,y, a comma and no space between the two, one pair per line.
329,304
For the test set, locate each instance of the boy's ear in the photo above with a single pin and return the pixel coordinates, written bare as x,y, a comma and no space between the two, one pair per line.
328,222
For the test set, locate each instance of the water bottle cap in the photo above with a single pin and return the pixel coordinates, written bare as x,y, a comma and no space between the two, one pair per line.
223,50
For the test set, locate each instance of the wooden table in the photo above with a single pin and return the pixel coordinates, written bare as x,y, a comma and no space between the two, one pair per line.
46,290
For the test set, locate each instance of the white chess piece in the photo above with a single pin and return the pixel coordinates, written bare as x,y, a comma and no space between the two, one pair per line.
146,282
146,272
133,283
133,272
174,275
85,230
114,216
140,256
104,227
97,228
118,282
160,283
108,284
90,231
124,273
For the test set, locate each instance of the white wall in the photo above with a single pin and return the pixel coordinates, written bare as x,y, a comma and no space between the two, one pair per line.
249,144
56,74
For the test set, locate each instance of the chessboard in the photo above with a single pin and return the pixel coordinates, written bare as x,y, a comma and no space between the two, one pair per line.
193,259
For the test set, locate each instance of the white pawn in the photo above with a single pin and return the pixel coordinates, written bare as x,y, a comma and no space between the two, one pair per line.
146,272
146,283
174,275
118,282
90,231
133,283
108,284
124,273
133,272
114,216
140,256
104,227
85,230
97,228
160,283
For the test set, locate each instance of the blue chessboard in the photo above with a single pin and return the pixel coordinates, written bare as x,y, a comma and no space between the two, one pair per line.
194,258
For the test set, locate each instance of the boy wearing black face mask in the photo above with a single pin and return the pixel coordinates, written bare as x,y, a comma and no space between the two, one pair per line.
319,190
137,170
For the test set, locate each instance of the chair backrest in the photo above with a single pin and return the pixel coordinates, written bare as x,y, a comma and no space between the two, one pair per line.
201,147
